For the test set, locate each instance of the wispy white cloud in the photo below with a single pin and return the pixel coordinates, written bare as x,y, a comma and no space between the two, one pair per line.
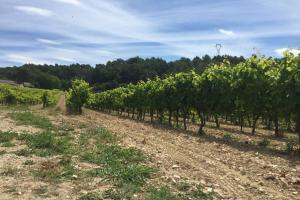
65,59
73,2
94,31
35,10
226,32
46,41
22,59
282,50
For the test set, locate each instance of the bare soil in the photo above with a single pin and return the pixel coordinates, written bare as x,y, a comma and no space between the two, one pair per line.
231,170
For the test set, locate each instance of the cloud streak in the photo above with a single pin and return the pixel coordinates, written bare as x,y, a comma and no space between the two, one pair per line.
227,32
72,2
34,11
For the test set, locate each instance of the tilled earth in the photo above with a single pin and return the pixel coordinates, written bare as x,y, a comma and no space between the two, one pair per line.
231,172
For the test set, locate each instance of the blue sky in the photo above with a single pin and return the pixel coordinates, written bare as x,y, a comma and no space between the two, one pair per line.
95,31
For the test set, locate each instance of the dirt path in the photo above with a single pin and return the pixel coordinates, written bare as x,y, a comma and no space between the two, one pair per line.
61,104
230,172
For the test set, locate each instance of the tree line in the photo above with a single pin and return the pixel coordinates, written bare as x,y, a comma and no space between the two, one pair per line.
106,76
258,89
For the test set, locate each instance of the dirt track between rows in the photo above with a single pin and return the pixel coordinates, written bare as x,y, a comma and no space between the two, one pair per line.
232,173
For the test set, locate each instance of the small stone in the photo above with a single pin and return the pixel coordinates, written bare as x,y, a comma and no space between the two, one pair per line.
261,190
19,193
84,192
241,187
209,189
74,176
175,167
176,177
159,162
203,182
295,181
270,177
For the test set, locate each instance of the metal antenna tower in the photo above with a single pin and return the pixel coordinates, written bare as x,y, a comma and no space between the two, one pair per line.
218,47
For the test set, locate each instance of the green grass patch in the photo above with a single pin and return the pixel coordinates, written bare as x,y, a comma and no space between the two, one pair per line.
123,167
162,193
44,144
41,191
54,171
264,143
91,196
28,162
8,144
82,126
10,189
24,152
199,194
2,152
7,136
97,136
31,119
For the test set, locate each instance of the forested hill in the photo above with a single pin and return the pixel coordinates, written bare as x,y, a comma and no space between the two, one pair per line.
109,75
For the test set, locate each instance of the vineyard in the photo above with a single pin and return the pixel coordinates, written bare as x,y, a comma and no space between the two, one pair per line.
10,95
227,133
257,92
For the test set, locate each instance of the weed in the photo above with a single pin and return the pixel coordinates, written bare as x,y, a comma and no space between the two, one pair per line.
107,155
227,137
100,135
113,194
183,186
2,152
289,147
10,189
119,165
54,171
264,143
24,152
8,144
91,196
199,194
28,162
47,144
66,128
41,191
7,136
163,193
29,118
82,126
9,171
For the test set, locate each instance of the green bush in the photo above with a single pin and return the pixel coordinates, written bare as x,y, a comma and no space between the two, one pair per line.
77,96
45,99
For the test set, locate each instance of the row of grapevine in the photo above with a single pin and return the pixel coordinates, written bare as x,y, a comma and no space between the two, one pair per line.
21,95
257,89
